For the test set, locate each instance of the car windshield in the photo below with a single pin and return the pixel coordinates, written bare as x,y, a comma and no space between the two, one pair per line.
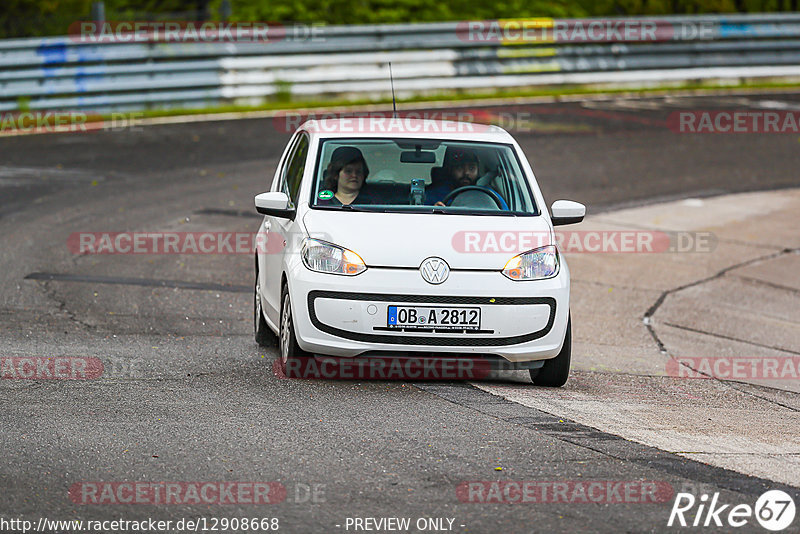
421,175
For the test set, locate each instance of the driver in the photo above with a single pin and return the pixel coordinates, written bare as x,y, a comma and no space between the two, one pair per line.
460,169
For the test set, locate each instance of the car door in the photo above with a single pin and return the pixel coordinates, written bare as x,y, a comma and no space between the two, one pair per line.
279,234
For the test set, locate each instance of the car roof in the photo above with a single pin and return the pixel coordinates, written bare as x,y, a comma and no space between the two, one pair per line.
405,127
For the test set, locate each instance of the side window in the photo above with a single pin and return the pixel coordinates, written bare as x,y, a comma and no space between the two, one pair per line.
295,165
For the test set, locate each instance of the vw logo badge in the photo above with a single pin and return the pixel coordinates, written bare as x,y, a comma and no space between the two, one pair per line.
434,270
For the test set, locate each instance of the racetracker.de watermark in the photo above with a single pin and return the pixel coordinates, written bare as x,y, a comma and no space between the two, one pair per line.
463,120
141,31
182,242
387,122
735,368
169,493
734,122
580,241
50,368
388,368
39,122
547,30
564,491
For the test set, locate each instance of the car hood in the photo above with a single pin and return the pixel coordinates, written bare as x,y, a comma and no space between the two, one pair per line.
406,239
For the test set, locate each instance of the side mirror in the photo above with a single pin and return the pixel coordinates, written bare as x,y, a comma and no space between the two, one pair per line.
567,212
275,203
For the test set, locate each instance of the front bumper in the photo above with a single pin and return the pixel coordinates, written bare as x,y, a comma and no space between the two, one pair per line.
347,316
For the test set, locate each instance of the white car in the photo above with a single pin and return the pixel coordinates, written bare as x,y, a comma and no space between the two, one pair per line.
429,238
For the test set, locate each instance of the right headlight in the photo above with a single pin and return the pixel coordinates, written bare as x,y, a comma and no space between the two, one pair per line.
324,257
535,264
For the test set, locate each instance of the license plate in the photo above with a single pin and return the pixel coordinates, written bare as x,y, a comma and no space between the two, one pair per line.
439,317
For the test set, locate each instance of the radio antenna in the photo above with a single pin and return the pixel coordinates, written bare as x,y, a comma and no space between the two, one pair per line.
394,103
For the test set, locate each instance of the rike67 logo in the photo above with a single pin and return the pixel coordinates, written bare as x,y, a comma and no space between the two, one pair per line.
774,510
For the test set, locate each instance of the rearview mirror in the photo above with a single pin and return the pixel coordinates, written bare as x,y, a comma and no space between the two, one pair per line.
417,156
275,203
567,212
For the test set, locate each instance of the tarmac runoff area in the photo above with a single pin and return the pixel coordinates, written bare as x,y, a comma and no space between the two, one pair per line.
694,352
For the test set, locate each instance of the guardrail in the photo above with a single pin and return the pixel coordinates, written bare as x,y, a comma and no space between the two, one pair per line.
138,71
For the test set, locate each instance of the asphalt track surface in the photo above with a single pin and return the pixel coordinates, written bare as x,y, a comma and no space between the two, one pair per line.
187,395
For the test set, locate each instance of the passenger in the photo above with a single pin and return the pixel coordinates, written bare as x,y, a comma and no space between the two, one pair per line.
344,179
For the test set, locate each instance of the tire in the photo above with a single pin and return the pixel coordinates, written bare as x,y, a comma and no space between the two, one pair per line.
555,372
292,357
265,337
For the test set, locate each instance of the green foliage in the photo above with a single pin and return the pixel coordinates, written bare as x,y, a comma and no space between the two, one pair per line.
23,103
20,18
283,91
388,11
669,7
32,18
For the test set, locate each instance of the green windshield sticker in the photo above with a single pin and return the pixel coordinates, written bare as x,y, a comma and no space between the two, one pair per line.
325,195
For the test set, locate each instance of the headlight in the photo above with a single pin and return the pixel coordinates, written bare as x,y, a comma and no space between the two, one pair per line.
533,265
324,257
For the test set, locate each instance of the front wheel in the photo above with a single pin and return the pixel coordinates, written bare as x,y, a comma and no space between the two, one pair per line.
555,372
292,356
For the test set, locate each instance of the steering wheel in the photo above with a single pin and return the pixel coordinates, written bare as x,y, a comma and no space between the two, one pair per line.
494,195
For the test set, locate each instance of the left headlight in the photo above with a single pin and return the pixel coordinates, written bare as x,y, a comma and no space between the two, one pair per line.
325,257
533,265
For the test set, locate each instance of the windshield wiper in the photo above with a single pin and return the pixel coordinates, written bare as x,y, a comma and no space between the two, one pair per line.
437,210
346,207
503,213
